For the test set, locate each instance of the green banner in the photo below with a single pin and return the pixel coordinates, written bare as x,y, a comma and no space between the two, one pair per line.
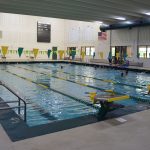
49,53
20,50
73,53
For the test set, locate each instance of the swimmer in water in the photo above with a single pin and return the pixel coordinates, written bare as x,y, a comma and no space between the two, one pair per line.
121,74
126,72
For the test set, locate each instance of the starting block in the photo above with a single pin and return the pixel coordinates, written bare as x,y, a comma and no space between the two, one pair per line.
107,102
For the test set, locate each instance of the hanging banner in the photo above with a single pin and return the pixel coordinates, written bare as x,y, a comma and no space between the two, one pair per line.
117,56
10,51
73,53
101,55
61,53
144,55
82,55
49,53
4,50
20,51
35,52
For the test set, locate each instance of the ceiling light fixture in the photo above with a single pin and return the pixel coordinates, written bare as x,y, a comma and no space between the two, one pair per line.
147,13
106,25
99,22
120,18
128,22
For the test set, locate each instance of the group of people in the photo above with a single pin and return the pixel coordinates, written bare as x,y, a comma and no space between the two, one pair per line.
117,61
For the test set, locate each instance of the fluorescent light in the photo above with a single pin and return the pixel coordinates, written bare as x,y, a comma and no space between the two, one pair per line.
106,25
99,22
147,13
128,22
120,18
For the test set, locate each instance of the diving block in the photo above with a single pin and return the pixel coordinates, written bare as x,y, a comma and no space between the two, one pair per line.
107,103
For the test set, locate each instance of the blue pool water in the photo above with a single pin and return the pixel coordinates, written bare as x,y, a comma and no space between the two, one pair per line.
49,105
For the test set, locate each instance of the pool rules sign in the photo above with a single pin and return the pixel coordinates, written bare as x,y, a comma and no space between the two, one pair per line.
43,32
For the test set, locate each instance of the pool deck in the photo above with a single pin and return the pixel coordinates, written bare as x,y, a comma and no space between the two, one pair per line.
133,134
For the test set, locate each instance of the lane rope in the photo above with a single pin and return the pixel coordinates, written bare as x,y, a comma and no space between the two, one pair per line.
86,85
47,87
100,79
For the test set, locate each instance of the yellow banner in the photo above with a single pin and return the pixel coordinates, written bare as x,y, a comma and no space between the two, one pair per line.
144,55
61,53
101,55
4,50
35,52
117,56
82,55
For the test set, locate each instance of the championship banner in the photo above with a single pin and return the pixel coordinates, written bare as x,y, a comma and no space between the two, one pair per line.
61,53
117,56
20,51
49,53
101,55
35,52
4,50
82,55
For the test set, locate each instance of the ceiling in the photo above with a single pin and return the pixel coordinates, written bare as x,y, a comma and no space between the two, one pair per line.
86,10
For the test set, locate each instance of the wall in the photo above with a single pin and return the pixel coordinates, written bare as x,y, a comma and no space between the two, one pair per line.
132,37
79,33
21,30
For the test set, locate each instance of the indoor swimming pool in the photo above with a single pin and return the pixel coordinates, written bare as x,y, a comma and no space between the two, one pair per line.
59,91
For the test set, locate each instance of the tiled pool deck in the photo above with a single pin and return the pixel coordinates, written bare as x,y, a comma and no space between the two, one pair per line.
133,134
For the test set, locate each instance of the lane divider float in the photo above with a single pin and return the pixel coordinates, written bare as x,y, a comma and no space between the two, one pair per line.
49,88
86,85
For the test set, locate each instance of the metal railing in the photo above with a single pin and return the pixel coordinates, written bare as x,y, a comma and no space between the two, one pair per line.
17,101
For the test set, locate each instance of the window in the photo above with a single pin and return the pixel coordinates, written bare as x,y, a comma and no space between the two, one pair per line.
89,50
148,52
69,49
113,51
92,50
122,51
142,51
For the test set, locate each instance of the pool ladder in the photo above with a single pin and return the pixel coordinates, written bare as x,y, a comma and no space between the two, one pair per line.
17,101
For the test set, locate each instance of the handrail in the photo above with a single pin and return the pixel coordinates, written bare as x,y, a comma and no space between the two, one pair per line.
19,100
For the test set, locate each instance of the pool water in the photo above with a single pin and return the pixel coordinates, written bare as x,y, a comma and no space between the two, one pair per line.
66,93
